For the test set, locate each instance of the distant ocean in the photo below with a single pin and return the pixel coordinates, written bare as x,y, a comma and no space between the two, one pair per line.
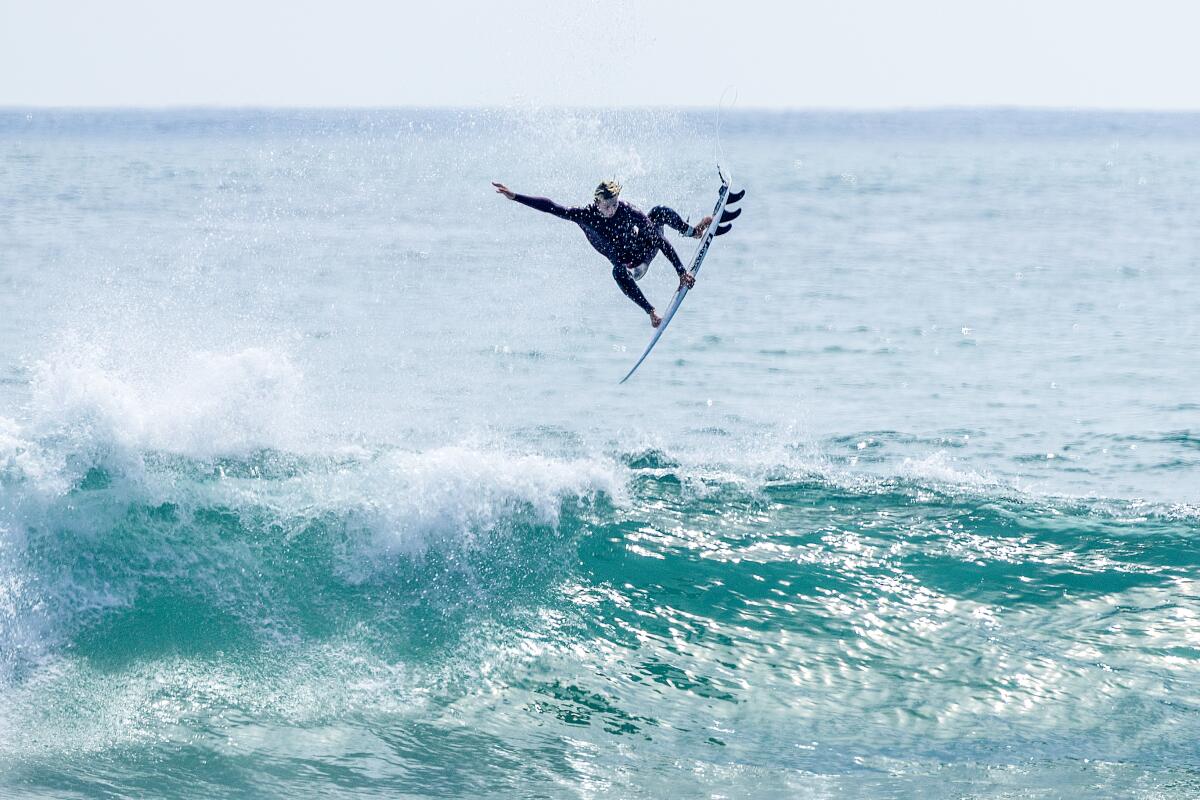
316,479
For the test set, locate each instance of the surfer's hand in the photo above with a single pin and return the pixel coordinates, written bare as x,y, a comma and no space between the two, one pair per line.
701,227
686,279
655,319
504,190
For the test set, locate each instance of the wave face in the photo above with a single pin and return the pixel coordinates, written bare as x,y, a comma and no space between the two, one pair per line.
304,496
466,621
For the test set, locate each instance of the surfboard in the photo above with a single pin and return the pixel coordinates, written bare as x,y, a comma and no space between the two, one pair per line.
721,224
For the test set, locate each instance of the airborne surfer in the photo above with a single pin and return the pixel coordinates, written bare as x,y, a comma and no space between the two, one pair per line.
627,237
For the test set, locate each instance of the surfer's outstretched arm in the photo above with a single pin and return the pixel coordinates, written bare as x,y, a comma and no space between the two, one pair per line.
547,205
540,203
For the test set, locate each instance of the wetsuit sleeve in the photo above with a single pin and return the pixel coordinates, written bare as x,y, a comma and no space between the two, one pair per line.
670,253
659,241
549,206
630,288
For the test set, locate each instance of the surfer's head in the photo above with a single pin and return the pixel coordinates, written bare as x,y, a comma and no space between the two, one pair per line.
606,197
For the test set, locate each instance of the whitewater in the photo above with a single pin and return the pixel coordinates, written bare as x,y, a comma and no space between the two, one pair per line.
316,478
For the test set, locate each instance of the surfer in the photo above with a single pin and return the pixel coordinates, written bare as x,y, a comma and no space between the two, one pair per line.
628,238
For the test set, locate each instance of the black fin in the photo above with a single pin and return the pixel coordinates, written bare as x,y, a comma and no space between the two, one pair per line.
722,230
730,216
735,196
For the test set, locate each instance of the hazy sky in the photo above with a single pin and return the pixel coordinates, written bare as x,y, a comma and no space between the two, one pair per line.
841,53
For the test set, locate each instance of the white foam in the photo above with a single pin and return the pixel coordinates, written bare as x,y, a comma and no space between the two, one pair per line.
941,468
84,412
208,404
21,460
413,499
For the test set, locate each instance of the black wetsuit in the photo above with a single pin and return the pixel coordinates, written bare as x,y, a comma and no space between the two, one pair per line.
627,238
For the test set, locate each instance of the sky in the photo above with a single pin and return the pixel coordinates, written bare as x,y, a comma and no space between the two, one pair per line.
590,53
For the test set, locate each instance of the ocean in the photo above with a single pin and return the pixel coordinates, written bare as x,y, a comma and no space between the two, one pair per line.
316,479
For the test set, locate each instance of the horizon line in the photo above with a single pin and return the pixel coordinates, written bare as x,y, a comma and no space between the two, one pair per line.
600,108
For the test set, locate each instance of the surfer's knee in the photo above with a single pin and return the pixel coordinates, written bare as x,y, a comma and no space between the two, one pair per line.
664,215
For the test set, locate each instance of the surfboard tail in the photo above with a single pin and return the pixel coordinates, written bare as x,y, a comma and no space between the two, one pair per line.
728,215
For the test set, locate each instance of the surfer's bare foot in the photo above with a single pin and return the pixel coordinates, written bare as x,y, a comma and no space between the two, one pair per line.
655,319
701,227
686,279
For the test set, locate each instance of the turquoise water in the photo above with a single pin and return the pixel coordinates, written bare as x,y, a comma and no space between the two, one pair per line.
316,480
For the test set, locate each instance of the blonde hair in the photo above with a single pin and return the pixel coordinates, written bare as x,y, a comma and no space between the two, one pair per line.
607,190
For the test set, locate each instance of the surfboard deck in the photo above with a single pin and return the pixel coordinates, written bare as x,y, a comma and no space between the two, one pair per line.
720,225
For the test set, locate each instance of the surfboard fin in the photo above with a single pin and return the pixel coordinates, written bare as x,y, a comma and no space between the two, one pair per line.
722,230
730,216
735,196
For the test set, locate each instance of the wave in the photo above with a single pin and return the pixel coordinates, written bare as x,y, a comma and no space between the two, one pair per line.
163,512
278,546
150,573
304,588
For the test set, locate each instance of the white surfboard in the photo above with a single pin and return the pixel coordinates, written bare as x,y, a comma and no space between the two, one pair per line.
715,229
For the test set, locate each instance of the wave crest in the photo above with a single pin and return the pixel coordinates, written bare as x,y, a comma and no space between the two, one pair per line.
208,404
